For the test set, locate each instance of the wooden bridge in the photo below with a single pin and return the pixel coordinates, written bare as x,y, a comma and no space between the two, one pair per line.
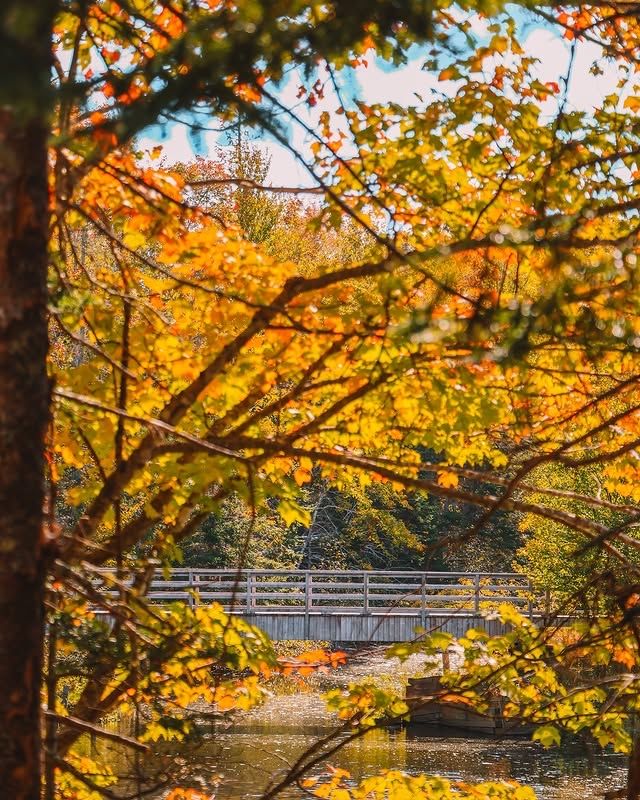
353,605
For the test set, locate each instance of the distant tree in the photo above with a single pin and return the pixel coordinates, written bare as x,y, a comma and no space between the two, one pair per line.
380,527
561,562
227,537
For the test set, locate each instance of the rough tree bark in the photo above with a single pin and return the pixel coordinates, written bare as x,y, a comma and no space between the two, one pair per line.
633,774
25,63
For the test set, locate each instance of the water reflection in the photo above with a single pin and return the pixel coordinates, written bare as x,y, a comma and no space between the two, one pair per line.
245,758
250,759
261,745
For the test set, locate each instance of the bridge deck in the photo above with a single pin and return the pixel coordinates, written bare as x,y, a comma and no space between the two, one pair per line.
352,605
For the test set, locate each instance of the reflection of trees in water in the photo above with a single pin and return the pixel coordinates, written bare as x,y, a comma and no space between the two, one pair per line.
556,774
248,755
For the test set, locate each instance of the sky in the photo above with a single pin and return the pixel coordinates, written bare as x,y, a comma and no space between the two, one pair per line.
378,82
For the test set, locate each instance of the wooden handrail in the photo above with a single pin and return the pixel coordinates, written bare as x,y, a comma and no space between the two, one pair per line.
366,591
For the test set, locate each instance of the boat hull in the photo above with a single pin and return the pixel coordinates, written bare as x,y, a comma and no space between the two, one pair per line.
426,709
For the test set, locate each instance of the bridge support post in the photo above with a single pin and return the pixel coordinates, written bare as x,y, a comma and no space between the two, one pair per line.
308,603
192,596
423,601
547,603
250,591
531,600
365,599
476,593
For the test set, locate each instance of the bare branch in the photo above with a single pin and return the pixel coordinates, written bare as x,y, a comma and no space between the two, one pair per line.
96,730
247,183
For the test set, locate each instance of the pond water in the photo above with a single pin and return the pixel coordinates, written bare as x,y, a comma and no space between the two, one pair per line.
250,755
239,760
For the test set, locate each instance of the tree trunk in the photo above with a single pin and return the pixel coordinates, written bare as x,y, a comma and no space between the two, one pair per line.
25,42
633,775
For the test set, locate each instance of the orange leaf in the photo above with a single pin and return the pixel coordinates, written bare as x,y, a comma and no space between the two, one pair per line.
449,480
301,476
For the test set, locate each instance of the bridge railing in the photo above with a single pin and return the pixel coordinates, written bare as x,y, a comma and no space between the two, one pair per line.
346,591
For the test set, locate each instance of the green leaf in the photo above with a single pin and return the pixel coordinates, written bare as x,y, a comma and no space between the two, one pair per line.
547,735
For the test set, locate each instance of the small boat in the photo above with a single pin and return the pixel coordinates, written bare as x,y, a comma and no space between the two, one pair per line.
455,714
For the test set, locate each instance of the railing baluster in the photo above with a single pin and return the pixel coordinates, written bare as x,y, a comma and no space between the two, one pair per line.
308,592
196,586
365,581
476,604
308,603
547,602
190,589
250,592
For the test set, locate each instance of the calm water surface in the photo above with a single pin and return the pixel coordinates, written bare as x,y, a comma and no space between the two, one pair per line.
249,757
244,757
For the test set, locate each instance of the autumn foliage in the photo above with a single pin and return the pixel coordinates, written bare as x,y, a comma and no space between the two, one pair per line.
459,280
